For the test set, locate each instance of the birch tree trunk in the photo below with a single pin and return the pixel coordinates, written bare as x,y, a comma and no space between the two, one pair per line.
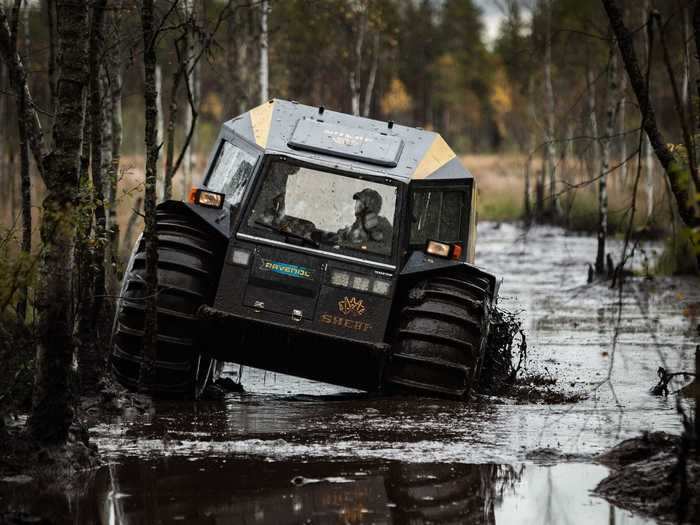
648,152
527,206
52,403
685,81
113,72
187,166
356,74
91,353
550,148
527,212
196,88
170,136
25,181
371,79
150,93
622,128
593,119
605,142
50,18
679,174
160,124
264,96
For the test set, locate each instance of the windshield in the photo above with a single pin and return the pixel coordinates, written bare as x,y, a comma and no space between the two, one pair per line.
325,210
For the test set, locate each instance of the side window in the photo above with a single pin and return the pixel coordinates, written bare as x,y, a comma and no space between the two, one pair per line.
231,172
440,215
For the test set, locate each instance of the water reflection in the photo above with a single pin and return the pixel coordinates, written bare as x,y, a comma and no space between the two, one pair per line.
256,491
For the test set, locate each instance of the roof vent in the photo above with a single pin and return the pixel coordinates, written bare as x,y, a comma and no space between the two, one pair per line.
321,109
391,124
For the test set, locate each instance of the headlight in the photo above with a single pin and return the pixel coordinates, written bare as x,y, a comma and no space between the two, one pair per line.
440,249
339,278
381,287
443,249
240,257
209,199
360,283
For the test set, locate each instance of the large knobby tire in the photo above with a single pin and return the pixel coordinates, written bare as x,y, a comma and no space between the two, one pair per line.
189,262
441,337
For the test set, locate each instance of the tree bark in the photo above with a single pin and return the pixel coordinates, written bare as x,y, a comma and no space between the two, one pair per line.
527,205
356,74
187,167
52,404
696,34
679,174
50,18
550,148
25,180
371,79
91,350
593,120
264,9
622,137
527,212
605,142
170,135
18,77
150,63
113,70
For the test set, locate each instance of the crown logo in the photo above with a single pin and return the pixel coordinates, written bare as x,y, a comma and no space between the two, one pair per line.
351,306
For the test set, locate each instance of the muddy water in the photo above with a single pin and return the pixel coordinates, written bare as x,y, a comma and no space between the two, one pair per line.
289,450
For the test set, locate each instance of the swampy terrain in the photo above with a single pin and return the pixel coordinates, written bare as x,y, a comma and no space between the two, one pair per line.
293,451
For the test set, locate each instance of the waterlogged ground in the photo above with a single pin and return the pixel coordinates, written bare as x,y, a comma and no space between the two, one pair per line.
292,451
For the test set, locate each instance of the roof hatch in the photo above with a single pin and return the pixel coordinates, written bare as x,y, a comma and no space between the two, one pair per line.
372,147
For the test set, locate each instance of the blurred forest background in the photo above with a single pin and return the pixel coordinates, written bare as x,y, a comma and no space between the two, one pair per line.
527,103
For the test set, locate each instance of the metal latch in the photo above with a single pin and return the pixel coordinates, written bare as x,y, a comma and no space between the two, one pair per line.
296,315
258,305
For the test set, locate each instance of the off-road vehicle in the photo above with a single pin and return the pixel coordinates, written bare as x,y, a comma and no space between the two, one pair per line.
321,245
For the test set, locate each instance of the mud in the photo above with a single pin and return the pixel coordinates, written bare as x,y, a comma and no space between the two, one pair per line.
336,454
653,476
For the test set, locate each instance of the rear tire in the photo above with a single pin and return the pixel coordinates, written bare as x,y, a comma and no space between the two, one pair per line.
189,261
441,337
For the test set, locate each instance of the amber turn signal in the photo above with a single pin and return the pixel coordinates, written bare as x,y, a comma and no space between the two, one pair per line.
210,199
443,249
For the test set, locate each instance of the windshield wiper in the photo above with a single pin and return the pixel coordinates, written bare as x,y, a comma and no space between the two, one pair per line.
293,235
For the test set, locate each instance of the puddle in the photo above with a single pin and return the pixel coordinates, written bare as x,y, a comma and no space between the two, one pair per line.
240,490
413,460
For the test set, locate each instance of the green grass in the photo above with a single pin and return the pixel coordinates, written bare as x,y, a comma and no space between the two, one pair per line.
505,207
677,257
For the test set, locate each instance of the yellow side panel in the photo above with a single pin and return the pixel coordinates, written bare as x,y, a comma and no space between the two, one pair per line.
261,120
438,154
471,248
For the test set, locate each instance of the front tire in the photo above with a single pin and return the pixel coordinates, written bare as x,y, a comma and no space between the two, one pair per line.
441,337
189,261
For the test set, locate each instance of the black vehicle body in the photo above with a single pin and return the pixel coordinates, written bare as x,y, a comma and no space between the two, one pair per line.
282,310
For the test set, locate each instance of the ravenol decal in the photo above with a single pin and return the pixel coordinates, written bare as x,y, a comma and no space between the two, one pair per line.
352,306
290,270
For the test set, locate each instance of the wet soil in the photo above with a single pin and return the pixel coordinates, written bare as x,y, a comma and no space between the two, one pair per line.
289,450
653,475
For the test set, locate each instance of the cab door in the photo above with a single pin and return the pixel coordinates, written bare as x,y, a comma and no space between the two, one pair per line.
443,212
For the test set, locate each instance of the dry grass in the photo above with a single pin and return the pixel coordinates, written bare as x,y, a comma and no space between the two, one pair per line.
501,185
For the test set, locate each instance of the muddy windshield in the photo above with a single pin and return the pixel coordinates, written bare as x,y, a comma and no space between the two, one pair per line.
333,212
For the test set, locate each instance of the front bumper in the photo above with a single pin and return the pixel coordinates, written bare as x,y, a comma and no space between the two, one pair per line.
294,350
